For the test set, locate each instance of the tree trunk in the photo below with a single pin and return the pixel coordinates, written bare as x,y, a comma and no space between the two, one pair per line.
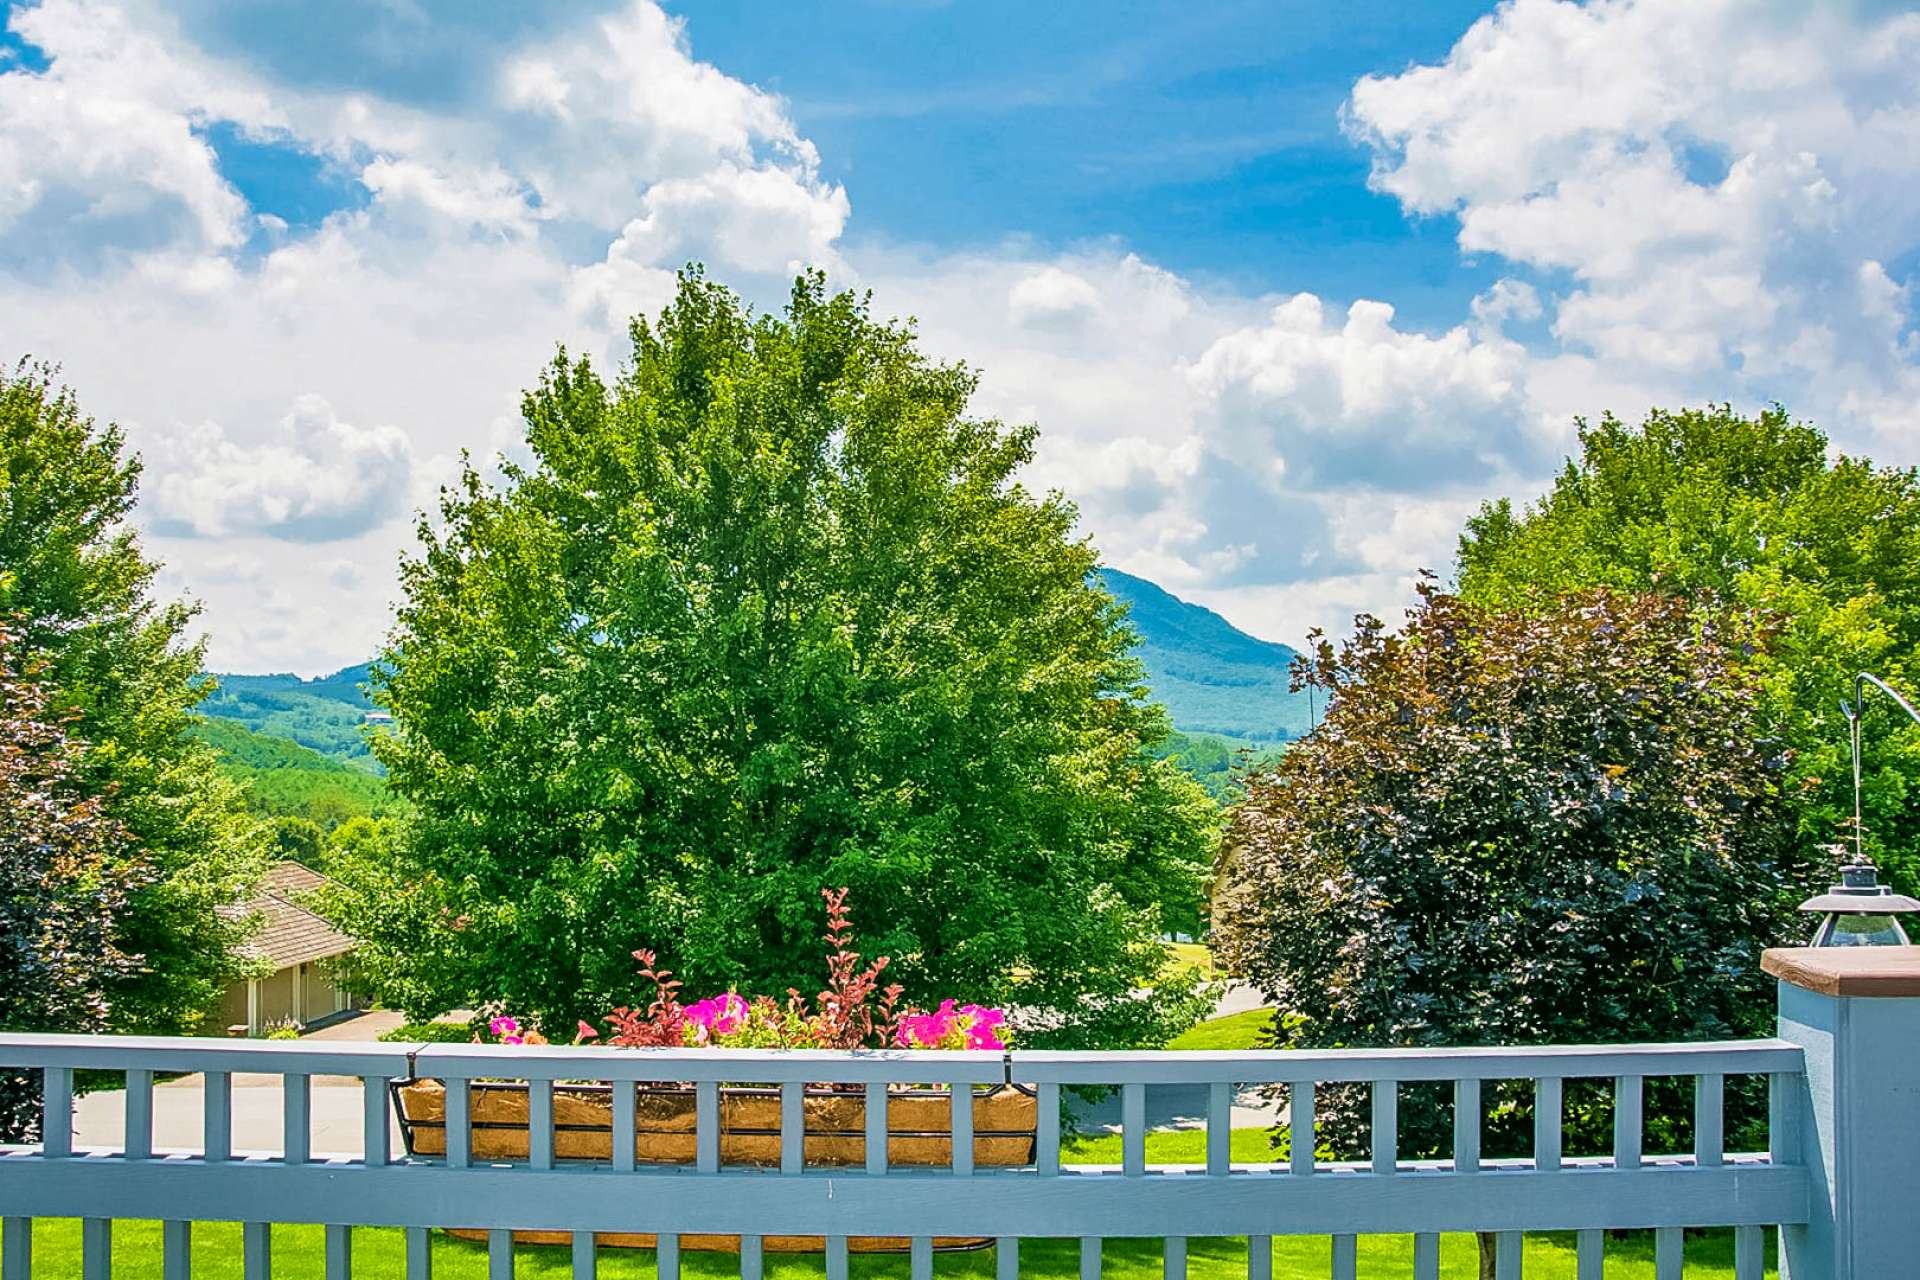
1486,1255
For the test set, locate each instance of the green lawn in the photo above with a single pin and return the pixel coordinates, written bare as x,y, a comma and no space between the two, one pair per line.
1235,1031
378,1253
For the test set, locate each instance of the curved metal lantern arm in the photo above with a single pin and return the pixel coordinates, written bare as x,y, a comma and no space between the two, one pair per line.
1852,712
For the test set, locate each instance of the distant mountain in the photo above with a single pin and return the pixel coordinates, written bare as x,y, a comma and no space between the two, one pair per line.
327,714
1211,676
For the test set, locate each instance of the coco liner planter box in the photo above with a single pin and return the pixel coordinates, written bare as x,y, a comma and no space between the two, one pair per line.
919,1133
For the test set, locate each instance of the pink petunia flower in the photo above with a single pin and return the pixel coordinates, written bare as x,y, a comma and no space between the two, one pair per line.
719,1015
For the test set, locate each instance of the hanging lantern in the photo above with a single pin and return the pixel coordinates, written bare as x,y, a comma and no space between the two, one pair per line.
1860,911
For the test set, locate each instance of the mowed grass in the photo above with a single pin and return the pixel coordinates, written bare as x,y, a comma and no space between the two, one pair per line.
1182,956
1235,1031
379,1252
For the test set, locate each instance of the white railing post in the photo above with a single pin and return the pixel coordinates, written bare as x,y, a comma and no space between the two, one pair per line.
1856,1014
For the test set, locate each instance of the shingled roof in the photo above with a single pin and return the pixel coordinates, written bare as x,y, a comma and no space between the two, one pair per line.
290,933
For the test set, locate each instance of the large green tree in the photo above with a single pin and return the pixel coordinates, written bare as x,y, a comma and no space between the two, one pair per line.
77,590
1555,826
770,612
1758,511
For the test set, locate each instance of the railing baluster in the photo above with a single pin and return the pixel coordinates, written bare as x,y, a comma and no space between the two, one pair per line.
419,1253
838,1266
1749,1253
1590,1254
96,1249
1783,1122
1346,1257
1259,1258
1133,1130
1173,1259
339,1248
16,1249
1219,1130
1300,1134
1709,1120
176,1250
296,1118
1669,1253
256,1251
753,1258
459,1132
1090,1249
375,1147
540,1124
139,1119
961,1098
706,1126
876,1117
666,1256
624,1138
1426,1256
1628,1121
1386,1126
1046,1156
1546,1123
56,1112
499,1255
217,1119
1506,1255
1466,1126
793,1127
920,1258
586,1266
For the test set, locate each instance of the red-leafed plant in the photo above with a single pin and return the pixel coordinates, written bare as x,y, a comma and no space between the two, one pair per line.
852,1011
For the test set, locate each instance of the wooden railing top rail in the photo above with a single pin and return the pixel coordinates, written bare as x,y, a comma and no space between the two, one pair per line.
1027,1066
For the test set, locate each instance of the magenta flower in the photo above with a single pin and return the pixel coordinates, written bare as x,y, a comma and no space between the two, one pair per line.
506,1030
719,1015
983,1027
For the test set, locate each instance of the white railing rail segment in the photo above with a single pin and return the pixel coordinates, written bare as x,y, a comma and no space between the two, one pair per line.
1547,1191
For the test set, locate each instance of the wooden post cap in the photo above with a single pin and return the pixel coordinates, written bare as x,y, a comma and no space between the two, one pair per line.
1847,971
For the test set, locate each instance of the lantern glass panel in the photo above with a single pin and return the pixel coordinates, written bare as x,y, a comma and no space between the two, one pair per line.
1861,929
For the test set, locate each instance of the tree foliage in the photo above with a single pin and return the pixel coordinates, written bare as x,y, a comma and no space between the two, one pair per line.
1516,828
67,873
1755,511
771,612
78,590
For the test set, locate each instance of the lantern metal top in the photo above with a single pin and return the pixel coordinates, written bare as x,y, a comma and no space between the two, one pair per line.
1860,893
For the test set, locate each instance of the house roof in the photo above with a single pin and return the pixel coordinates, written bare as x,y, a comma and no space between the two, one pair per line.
289,932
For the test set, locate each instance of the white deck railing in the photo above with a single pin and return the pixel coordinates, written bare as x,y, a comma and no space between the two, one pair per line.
1545,1192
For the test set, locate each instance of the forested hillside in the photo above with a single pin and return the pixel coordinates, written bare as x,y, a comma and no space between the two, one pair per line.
1212,677
327,714
285,779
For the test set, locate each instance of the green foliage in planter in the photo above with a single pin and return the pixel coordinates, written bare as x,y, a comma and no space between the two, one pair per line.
1517,828
769,611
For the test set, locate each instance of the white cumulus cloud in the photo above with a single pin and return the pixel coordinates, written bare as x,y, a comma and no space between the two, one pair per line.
312,478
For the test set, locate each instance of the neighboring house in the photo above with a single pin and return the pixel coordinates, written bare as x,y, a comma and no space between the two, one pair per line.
306,953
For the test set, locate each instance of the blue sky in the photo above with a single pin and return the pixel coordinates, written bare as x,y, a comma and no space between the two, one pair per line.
1206,137
1290,288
